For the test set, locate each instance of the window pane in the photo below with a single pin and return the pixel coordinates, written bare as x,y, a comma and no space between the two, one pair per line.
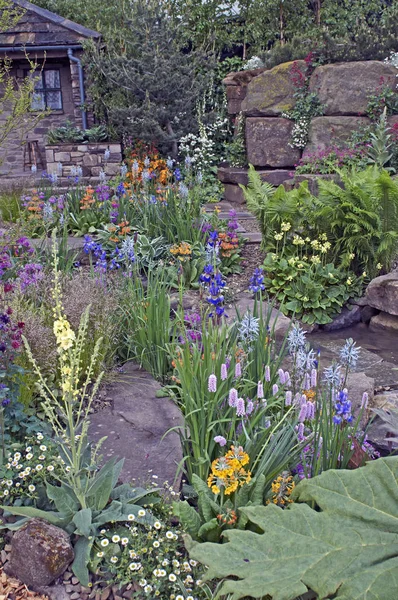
38,79
38,101
51,79
54,100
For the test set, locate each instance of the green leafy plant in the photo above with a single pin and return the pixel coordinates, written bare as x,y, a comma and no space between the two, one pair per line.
381,144
271,206
314,293
216,514
344,549
360,219
70,134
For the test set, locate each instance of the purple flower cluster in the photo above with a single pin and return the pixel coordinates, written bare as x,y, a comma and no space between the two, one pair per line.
342,408
213,283
257,282
30,275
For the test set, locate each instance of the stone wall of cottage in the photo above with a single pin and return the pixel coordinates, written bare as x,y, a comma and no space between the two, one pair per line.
12,164
262,96
62,158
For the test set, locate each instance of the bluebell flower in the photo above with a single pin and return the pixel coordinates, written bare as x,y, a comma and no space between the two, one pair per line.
332,375
107,154
177,174
207,274
183,190
169,163
123,171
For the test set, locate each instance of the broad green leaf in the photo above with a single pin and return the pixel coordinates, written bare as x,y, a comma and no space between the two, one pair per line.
347,550
64,499
103,484
32,513
188,516
83,522
82,550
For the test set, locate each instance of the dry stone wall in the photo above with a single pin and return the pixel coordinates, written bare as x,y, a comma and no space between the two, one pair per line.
263,96
90,157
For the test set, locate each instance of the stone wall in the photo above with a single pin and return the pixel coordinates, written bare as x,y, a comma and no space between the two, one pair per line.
262,96
90,157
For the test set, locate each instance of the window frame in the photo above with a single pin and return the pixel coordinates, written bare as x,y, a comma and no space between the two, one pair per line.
44,89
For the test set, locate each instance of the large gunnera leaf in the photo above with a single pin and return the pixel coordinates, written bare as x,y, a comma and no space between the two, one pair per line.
347,550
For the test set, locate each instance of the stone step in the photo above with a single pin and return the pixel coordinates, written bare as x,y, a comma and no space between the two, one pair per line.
252,237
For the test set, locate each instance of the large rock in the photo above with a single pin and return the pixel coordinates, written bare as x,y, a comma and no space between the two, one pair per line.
267,142
327,131
357,384
384,322
382,293
40,552
344,88
272,92
349,316
238,175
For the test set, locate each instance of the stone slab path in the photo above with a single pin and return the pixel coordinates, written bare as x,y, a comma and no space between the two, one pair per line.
135,427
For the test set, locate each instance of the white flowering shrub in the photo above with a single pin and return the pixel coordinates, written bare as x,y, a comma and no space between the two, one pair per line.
153,555
206,148
27,470
254,62
392,60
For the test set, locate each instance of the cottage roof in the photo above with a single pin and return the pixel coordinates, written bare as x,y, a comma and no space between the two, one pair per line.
39,27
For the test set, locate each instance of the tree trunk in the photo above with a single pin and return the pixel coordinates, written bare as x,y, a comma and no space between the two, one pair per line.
281,27
174,145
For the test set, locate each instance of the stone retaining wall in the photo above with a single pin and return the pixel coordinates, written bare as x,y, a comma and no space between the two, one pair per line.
263,95
90,157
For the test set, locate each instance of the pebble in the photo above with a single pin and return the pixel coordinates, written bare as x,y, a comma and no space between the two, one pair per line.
75,596
67,576
75,580
69,588
105,594
7,548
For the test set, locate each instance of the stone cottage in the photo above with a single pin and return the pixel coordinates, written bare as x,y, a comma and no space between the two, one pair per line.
55,44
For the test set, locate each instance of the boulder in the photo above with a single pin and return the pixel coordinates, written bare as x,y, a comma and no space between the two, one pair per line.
382,293
325,132
378,431
367,312
272,92
357,384
384,322
40,552
267,142
348,316
238,175
344,88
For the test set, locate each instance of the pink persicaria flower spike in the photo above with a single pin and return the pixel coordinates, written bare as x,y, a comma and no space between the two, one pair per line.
365,400
240,408
303,413
300,432
310,411
275,389
233,397
224,372
219,439
288,398
212,383
288,381
282,377
267,373
260,390
238,370
313,378
249,407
